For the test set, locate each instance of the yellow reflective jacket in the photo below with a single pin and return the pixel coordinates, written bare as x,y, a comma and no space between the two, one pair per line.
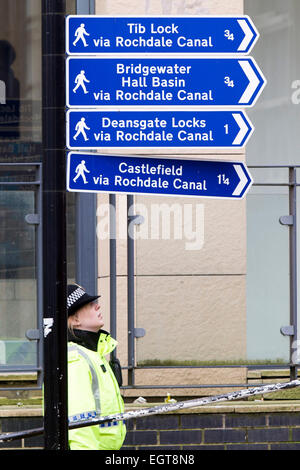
93,391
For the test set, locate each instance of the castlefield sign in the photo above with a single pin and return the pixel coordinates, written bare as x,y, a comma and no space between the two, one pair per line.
143,175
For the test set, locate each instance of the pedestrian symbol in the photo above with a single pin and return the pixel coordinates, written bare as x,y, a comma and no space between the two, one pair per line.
80,128
79,34
80,171
79,80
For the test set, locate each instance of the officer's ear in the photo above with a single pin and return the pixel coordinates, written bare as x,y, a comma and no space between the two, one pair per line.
74,320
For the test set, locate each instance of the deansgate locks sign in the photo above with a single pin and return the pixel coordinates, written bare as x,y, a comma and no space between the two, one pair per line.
89,129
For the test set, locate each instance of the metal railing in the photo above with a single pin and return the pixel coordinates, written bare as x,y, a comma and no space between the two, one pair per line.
289,220
291,330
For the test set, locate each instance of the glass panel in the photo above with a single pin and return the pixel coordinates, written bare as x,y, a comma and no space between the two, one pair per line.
17,278
20,80
190,281
20,141
267,274
276,114
298,263
275,141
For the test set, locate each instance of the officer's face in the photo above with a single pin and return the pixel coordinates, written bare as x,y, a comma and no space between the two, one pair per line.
89,317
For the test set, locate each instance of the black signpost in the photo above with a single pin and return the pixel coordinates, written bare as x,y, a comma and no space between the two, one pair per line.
54,227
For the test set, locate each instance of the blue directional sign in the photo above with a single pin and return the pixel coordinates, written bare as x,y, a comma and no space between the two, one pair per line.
162,82
210,34
164,129
141,175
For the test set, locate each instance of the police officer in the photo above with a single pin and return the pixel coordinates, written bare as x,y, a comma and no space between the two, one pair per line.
93,388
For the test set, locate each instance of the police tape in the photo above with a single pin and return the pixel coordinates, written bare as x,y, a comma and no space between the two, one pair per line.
159,409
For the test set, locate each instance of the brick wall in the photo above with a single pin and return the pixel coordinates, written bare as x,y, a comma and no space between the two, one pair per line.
223,431
189,431
20,423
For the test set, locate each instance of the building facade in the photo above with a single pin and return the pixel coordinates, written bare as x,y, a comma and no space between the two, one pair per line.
211,279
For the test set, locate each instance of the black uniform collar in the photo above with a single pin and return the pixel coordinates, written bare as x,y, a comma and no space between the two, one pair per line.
88,339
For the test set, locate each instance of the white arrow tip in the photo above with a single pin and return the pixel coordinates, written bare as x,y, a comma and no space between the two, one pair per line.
243,180
243,129
253,82
248,35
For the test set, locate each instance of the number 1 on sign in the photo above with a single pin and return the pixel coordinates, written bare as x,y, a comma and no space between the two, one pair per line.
222,179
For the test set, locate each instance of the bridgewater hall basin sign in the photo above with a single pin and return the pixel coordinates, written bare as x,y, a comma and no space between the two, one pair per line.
119,82
160,82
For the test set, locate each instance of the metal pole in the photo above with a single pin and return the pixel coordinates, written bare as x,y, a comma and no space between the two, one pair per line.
54,226
86,242
86,207
113,268
293,266
130,293
39,257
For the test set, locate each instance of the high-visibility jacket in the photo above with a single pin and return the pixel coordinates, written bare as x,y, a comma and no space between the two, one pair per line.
93,391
